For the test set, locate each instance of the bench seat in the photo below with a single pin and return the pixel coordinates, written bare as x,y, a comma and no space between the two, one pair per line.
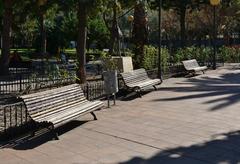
198,69
138,80
59,106
145,83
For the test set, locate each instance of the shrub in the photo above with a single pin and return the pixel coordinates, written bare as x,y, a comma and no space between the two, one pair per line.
150,60
201,54
150,57
230,54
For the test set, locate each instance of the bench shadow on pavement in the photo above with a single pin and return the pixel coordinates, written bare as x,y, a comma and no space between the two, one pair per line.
128,95
42,136
223,148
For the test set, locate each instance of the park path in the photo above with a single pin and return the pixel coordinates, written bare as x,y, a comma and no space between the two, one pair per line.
187,121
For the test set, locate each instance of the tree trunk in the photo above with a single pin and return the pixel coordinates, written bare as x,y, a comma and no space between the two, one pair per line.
43,34
139,33
81,42
7,23
183,26
114,31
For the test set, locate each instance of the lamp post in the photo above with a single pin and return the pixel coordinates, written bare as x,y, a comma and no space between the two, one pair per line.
160,39
214,3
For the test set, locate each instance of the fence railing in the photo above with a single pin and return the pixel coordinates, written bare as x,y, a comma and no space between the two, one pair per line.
20,82
12,116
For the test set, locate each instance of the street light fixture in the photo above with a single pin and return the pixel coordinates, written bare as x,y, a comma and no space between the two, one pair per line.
130,20
214,3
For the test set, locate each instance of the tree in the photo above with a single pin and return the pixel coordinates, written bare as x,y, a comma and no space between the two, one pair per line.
181,7
7,23
81,40
140,32
85,9
1,13
98,33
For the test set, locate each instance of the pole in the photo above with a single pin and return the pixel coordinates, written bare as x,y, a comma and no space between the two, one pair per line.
214,37
160,39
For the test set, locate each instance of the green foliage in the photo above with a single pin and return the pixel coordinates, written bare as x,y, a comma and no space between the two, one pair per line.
128,52
98,33
69,25
28,31
201,54
150,60
109,63
150,57
165,56
230,54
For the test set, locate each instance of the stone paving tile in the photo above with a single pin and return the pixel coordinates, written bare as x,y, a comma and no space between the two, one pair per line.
33,156
9,158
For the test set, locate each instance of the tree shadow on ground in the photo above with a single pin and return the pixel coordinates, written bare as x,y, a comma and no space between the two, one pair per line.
42,136
222,149
227,86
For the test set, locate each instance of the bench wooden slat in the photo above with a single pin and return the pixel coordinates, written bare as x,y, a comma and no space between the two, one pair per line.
57,109
88,107
54,109
55,101
52,91
33,97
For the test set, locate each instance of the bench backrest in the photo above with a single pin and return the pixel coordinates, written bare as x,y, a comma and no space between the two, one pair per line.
52,101
189,64
135,76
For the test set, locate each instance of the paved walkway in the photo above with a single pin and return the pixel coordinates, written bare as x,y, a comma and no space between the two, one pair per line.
187,121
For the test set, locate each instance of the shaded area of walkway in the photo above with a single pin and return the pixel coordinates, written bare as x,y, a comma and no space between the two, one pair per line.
224,87
221,149
188,120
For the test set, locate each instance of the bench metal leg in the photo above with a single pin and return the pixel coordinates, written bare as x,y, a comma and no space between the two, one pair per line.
35,128
139,94
94,116
138,91
155,88
56,135
54,132
32,134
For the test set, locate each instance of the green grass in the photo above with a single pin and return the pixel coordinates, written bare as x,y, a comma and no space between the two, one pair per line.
71,51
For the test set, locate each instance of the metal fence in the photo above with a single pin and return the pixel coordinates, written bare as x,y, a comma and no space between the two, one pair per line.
19,82
13,115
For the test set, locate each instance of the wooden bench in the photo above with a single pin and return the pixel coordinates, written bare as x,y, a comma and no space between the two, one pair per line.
138,80
192,66
59,106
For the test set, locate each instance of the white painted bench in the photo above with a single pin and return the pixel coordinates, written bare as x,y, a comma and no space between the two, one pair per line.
192,66
59,106
138,80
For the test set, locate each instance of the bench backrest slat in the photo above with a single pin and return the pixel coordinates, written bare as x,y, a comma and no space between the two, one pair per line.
55,100
135,76
190,64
